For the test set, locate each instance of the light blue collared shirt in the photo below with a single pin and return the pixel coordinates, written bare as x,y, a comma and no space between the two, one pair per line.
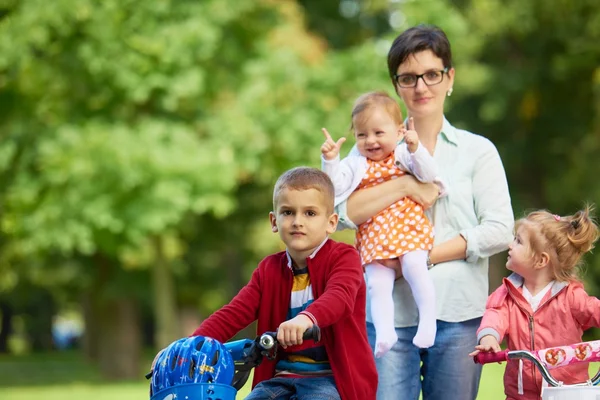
477,207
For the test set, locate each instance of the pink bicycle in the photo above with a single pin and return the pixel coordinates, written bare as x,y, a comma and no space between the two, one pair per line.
547,359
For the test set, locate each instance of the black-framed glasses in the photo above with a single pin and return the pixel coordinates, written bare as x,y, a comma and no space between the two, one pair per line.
430,78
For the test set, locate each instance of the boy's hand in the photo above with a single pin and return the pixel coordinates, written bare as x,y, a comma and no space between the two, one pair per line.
331,149
411,137
290,332
487,343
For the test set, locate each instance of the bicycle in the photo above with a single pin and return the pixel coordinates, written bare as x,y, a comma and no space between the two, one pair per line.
553,357
245,354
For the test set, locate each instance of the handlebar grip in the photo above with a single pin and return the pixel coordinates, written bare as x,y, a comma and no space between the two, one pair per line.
313,333
490,357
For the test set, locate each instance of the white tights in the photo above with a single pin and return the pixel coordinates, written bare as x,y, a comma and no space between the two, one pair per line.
380,284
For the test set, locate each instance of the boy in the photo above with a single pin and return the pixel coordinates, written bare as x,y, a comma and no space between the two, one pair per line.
315,281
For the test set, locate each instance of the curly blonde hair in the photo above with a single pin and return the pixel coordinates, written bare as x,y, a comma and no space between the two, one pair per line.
564,239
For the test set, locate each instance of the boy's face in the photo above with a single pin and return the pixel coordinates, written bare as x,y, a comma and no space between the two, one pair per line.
302,220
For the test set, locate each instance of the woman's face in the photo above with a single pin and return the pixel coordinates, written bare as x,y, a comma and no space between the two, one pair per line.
423,100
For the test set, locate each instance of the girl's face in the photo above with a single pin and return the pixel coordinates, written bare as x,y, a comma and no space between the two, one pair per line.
520,259
376,133
422,100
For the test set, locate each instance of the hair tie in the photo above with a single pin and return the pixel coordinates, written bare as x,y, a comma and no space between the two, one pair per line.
575,224
556,217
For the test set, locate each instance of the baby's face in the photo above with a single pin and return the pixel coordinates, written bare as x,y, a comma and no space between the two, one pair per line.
376,133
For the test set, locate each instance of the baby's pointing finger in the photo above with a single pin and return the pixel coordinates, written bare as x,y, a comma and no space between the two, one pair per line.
327,135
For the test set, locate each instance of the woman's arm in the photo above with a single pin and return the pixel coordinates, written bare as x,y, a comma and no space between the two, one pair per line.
492,207
453,249
365,203
491,201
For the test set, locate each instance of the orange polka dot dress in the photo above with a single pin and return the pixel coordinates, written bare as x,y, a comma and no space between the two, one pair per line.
397,230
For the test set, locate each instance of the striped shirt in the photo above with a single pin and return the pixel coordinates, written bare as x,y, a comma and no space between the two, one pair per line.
309,358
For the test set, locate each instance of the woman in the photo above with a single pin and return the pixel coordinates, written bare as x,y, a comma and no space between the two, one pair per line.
473,222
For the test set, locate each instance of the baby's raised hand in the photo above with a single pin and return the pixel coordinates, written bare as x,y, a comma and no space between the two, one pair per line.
331,149
411,137
487,343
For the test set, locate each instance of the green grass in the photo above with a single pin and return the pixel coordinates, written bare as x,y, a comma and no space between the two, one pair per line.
66,375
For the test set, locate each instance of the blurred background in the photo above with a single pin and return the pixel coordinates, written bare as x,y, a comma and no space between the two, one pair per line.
139,142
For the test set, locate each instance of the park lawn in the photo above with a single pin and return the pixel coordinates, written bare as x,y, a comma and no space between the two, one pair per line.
61,376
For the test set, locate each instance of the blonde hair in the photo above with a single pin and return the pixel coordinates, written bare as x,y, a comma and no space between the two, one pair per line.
564,239
303,178
372,100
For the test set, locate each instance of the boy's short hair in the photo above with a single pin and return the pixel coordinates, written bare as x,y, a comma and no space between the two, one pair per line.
303,178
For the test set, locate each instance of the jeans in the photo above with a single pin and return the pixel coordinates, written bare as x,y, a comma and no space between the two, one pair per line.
447,372
317,388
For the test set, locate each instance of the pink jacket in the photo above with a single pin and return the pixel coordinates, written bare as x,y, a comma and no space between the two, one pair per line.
564,313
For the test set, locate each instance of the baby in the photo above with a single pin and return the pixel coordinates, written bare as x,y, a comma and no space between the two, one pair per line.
397,240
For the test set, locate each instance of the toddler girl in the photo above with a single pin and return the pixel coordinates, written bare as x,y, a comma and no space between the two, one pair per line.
399,235
542,304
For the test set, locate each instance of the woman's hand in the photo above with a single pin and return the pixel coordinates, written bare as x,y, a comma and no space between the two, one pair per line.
425,194
365,203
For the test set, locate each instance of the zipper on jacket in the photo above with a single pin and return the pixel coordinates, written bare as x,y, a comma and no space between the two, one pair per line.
531,327
532,332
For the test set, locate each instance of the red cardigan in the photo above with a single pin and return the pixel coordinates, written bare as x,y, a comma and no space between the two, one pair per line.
339,291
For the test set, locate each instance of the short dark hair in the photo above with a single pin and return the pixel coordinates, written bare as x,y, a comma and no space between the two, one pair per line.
416,39
303,178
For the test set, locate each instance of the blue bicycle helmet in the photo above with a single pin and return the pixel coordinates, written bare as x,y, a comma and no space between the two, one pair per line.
192,366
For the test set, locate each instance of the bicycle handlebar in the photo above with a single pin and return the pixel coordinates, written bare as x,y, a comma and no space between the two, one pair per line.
250,352
490,357
549,358
268,339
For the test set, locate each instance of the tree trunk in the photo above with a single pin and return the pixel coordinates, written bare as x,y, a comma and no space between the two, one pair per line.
235,277
90,339
6,327
91,301
497,270
165,308
38,320
189,320
120,339
112,332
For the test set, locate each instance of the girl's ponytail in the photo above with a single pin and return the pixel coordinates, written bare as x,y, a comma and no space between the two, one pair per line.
565,239
582,231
